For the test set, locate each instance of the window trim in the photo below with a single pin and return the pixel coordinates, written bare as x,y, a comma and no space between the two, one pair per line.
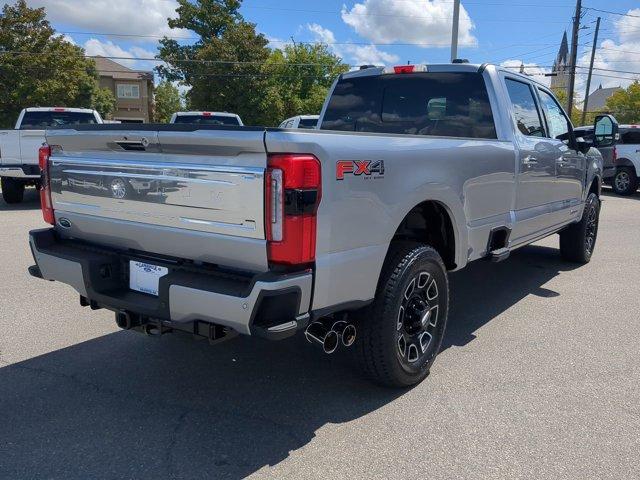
132,85
536,101
564,114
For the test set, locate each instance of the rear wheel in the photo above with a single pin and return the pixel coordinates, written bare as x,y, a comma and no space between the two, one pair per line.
578,241
401,332
625,181
12,190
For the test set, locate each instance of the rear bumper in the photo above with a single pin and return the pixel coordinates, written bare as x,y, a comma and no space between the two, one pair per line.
267,305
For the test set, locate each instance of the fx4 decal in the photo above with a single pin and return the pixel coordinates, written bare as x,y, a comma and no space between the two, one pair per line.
368,168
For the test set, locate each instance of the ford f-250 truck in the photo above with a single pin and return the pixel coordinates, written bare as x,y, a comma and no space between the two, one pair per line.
346,232
19,147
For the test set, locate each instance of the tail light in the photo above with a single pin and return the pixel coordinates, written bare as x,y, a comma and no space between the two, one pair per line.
45,187
292,196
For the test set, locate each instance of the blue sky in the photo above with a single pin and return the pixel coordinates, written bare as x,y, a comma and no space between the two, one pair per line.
381,31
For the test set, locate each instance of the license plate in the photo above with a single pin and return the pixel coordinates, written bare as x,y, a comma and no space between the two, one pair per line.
144,277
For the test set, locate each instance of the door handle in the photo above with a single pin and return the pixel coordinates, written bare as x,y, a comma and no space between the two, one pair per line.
530,161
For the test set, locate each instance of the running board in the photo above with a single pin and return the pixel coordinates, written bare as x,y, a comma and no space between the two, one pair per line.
499,255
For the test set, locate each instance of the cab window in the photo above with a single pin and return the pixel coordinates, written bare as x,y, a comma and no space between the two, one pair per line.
525,110
557,121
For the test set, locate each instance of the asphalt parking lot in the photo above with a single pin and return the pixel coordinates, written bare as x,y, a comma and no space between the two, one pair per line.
539,378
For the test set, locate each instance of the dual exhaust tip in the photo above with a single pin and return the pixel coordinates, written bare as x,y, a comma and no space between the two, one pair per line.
330,337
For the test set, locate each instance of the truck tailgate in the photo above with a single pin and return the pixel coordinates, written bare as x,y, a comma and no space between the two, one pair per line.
195,194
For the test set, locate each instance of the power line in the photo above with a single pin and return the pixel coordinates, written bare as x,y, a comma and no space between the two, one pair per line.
612,13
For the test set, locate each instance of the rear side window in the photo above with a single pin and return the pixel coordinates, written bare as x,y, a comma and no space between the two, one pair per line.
43,120
632,137
207,119
440,104
525,111
308,123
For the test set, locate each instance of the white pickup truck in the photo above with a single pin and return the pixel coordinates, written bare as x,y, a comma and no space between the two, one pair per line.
19,147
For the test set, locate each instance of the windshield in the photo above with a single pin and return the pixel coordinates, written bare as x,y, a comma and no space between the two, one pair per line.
207,119
43,120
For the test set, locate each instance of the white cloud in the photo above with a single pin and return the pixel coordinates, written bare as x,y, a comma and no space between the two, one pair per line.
623,54
138,17
354,54
536,71
411,21
128,58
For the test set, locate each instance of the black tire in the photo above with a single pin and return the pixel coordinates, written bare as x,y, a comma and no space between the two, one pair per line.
625,181
578,241
12,190
398,315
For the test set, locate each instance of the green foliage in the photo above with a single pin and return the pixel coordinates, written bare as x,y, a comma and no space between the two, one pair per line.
576,114
223,68
167,101
299,77
231,68
625,104
37,67
104,101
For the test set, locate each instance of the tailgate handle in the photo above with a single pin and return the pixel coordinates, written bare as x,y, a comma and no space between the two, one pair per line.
133,145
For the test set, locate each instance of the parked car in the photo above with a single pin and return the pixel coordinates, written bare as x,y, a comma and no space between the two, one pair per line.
346,233
207,118
301,121
621,161
19,147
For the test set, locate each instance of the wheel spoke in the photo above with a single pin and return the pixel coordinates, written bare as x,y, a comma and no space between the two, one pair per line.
423,278
412,353
402,345
434,316
425,340
410,288
400,318
432,291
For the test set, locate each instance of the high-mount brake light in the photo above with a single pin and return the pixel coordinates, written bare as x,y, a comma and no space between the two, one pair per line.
59,109
45,186
292,196
206,114
406,69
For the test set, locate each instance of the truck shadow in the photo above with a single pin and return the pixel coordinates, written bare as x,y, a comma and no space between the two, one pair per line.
31,202
126,406
608,192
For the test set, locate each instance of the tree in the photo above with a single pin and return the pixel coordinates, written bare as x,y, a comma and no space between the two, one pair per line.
223,67
299,78
104,101
38,67
625,104
167,101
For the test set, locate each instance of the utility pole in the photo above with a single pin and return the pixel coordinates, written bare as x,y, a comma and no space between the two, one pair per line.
593,56
454,30
574,55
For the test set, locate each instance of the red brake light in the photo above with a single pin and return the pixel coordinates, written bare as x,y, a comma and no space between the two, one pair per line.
58,109
292,196
45,188
206,114
404,68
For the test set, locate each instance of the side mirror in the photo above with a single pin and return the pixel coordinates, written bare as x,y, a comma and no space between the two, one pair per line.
605,131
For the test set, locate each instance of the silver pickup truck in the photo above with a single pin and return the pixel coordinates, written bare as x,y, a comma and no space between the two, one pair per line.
346,233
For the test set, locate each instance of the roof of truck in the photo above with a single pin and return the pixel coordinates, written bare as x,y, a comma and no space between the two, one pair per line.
58,109
370,70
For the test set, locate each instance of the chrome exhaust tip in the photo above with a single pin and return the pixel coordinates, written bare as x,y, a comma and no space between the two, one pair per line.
318,334
346,331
